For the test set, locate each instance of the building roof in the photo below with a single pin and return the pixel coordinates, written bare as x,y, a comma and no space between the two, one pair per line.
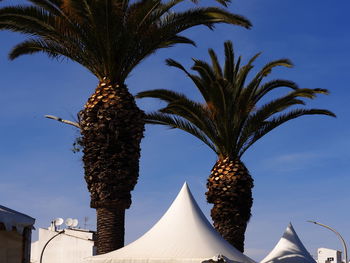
289,249
183,235
11,218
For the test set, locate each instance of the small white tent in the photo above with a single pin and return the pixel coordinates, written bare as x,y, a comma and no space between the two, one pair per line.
289,250
183,235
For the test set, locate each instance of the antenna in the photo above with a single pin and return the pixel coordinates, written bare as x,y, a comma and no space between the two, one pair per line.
75,222
58,221
55,223
85,221
69,222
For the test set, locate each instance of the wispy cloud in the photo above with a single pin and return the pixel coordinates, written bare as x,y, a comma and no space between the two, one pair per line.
297,157
292,161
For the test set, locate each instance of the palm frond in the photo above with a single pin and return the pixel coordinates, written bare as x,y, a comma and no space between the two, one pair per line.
108,37
162,94
205,71
272,85
278,121
215,63
266,70
179,123
47,5
28,20
176,40
196,80
229,66
230,116
195,113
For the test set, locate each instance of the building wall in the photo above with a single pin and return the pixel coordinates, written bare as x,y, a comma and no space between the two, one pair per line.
11,247
327,255
71,247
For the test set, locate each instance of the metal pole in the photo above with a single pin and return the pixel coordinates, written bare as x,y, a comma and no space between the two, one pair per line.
42,252
339,236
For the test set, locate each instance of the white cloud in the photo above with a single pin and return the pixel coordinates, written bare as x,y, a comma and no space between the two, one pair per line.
292,161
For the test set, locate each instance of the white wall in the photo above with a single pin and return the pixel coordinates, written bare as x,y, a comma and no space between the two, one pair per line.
69,247
327,255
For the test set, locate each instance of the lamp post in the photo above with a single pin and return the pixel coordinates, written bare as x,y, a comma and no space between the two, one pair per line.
338,235
42,252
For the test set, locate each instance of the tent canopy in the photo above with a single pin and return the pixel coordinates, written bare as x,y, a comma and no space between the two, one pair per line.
289,250
11,218
183,234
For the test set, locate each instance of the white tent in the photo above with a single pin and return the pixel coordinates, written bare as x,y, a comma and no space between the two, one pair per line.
183,235
289,250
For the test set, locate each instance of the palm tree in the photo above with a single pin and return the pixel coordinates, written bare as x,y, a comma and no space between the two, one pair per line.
109,38
230,120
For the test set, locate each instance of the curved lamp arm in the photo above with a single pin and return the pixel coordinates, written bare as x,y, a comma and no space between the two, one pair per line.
42,252
73,123
338,235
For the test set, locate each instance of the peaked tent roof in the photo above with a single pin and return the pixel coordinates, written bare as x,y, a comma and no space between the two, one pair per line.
183,235
289,250
11,218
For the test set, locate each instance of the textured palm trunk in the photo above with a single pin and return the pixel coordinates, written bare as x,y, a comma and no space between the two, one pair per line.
110,228
112,127
230,190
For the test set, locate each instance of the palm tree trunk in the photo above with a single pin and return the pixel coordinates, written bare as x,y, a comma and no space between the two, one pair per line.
112,127
230,190
110,229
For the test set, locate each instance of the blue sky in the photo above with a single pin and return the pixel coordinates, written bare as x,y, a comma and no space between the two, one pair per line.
300,169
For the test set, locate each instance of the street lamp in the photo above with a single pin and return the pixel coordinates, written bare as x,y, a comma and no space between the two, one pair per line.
339,236
42,252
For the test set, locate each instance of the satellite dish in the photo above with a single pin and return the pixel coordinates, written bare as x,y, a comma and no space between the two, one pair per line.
75,222
58,221
69,222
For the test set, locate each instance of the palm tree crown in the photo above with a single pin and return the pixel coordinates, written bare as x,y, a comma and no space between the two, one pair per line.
231,119
108,37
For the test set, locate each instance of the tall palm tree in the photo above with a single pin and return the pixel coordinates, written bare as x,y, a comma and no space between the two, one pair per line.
230,120
109,38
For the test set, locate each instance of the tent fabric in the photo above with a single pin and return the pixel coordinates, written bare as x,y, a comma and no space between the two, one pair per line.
183,235
11,218
289,249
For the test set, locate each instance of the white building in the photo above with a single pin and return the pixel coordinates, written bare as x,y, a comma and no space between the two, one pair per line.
70,246
327,255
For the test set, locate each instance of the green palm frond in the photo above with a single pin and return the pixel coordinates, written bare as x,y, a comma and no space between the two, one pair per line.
229,61
205,71
108,37
230,119
215,63
49,6
162,94
262,90
195,113
179,123
191,111
196,79
267,69
278,121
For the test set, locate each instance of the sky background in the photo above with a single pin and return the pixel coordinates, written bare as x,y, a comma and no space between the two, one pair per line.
301,170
